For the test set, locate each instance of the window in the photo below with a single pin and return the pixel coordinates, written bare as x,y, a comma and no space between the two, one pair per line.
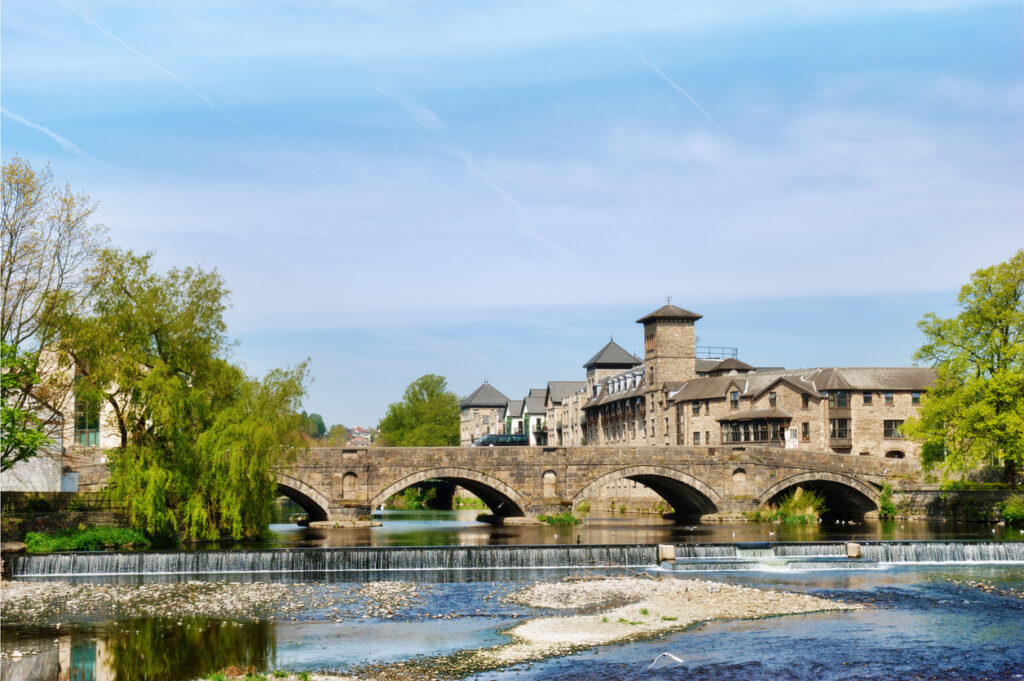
87,422
867,397
805,431
888,397
696,437
734,400
771,398
891,429
839,429
707,437
806,400
696,409
915,397
837,399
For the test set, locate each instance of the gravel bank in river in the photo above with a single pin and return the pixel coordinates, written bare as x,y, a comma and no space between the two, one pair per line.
640,608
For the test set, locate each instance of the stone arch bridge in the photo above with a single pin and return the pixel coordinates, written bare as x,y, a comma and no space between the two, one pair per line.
342,483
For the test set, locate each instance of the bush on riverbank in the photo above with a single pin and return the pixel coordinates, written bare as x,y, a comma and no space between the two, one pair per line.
799,507
1013,510
85,539
411,499
459,503
563,518
886,507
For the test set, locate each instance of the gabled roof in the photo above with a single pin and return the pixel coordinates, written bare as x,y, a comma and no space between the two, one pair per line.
669,312
484,396
612,356
535,402
559,390
515,409
731,364
756,414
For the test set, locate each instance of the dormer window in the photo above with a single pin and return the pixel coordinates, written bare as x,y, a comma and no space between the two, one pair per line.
771,398
734,399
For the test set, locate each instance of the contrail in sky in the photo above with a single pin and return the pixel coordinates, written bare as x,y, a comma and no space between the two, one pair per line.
63,141
681,91
209,102
422,113
525,227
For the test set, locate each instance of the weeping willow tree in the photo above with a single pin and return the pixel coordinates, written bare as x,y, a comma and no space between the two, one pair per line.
198,438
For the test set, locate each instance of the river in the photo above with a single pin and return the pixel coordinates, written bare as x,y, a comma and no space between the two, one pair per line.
927,619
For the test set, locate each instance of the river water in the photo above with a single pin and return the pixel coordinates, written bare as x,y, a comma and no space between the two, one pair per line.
924,619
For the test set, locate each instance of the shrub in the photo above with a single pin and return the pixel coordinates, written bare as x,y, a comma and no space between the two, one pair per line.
87,539
1013,509
583,508
799,507
563,518
886,507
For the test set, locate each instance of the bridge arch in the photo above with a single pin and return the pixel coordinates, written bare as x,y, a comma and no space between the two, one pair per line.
844,495
499,497
685,493
312,501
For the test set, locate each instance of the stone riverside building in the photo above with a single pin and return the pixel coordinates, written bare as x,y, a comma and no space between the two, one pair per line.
673,398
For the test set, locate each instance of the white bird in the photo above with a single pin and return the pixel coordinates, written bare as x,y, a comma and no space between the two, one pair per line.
770,533
670,656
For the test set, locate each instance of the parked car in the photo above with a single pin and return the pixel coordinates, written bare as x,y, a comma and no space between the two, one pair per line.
502,440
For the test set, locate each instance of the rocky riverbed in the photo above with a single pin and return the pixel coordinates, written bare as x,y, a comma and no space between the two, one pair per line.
591,611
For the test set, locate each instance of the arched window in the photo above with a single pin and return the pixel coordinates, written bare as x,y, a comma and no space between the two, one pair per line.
739,475
349,486
550,479
895,454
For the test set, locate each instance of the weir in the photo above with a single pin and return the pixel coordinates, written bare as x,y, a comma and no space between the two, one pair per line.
689,557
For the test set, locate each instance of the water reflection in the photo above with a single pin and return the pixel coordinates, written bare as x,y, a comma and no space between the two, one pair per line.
150,649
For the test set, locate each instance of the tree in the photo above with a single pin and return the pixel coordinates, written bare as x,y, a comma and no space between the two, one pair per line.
22,430
974,414
313,425
48,246
198,437
337,436
427,416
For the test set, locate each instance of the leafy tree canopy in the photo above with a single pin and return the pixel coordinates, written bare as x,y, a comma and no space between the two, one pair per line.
313,425
337,436
427,416
48,245
198,437
973,417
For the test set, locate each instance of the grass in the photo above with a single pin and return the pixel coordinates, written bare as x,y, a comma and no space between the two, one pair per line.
643,611
85,538
459,503
799,507
665,618
563,518
623,620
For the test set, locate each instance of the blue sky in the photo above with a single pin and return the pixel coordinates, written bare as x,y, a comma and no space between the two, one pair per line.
492,190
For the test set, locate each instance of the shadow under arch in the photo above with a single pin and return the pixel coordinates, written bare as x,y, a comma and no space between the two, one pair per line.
499,497
312,501
688,496
844,496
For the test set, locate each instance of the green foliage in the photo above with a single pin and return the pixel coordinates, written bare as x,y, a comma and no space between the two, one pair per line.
583,508
886,507
643,611
1013,509
427,416
468,503
799,507
21,430
303,676
198,437
669,619
280,674
974,414
313,425
412,499
337,436
563,518
88,539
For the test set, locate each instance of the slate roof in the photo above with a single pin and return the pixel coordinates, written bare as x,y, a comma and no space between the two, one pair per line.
731,364
612,356
514,409
559,390
535,401
484,396
604,396
811,381
669,312
756,414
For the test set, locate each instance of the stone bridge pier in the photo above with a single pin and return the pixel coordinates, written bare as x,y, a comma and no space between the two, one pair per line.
697,482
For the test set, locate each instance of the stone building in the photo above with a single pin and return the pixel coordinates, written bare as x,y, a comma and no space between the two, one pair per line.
482,413
563,412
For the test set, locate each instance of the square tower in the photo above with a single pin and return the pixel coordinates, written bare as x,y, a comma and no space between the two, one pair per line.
669,345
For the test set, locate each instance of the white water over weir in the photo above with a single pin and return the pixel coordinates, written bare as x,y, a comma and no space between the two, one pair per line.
689,557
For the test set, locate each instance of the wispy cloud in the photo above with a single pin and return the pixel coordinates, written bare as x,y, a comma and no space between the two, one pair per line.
63,141
678,88
523,223
425,116
209,102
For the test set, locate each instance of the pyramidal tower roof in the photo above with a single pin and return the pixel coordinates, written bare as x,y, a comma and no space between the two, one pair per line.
612,356
669,312
485,396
